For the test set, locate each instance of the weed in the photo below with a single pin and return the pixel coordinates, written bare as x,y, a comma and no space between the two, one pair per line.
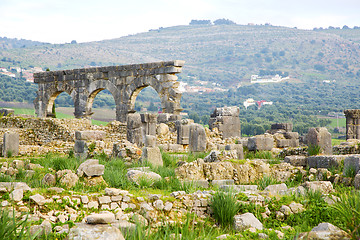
225,207
314,150
9,154
348,213
92,147
12,227
350,171
259,155
115,174
265,181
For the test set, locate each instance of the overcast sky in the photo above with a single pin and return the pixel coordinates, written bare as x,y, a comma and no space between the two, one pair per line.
60,21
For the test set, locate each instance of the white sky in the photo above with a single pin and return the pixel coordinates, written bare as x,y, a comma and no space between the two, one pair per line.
60,21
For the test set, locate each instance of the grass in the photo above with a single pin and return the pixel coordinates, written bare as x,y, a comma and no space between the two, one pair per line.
347,211
225,207
335,141
265,181
12,227
314,150
259,155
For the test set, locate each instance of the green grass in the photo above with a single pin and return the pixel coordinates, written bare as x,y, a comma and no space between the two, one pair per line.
334,122
335,141
225,207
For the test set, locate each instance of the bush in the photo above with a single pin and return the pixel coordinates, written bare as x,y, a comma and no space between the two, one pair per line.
225,207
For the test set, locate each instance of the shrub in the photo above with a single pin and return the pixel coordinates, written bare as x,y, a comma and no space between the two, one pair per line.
225,207
350,171
347,210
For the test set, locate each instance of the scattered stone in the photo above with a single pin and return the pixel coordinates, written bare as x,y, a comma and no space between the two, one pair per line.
325,231
136,176
38,199
90,168
69,179
296,207
104,199
93,204
159,204
49,180
112,191
18,164
212,157
100,232
246,220
100,218
322,186
276,189
17,195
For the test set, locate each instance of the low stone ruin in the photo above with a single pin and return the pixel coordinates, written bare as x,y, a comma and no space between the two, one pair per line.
227,121
10,145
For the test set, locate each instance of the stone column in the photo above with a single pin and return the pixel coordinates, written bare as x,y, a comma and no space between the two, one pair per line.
134,131
352,123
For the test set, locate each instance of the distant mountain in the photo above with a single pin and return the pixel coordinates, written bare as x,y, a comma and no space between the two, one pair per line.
10,43
225,54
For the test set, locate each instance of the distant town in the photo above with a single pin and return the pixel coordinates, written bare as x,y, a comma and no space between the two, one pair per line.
14,72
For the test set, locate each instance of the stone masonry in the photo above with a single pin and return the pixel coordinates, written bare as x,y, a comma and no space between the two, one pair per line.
124,83
352,123
227,120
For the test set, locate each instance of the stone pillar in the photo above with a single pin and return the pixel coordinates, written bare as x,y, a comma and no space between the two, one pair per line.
10,144
320,137
80,100
134,131
352,123
151,152
227,121
183,131
197,138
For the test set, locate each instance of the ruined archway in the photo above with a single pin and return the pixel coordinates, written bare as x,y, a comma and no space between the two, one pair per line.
124,83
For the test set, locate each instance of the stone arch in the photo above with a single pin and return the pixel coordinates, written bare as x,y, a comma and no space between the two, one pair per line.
53,94
139,84
93,90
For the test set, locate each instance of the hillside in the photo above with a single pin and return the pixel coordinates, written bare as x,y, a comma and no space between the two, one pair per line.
225,54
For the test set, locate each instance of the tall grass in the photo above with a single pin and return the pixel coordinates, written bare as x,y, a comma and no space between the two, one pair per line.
347,210
313,150
12,227
225,207
265,181
259,155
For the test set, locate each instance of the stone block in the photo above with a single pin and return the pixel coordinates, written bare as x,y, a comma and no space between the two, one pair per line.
296,160
245,221
99,232
163,117
134,130
320,137
220,183
352,163
80,149
152,155
261,143
325,161
90,135
183,131
150,141
197,138
90,168
238,148
227,121
10,144
282,126
197,183
6,112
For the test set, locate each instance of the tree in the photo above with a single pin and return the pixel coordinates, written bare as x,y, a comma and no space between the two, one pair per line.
224,21
194,116
73,42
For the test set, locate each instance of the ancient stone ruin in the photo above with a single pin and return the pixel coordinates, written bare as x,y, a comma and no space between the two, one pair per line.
227,120
352,123
124,82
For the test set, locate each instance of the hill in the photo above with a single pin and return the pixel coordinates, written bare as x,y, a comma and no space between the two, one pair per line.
226,54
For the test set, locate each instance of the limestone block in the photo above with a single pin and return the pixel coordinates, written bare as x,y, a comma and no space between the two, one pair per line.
320,137
80,149
100,218
325,161
99,232
245,221
261,143
296,160
352,163
282,126
90,135
17,195
90,168
10,144
38,199
49,179
227,121
276,189
134,131
104,199
152,155
325,231
197,138
163,118
136,176
197,183
18,164
322,186
219,183
150,141
212,157
238,148
183,131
